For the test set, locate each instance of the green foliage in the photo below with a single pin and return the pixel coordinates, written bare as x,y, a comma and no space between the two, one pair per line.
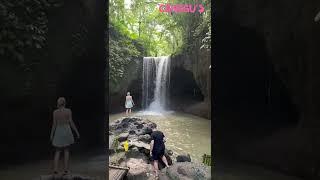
142,30
23,28
78,40
115,143
159,33
23,40
122,49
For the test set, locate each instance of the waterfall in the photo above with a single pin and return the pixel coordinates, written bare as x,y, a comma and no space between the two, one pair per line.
156,74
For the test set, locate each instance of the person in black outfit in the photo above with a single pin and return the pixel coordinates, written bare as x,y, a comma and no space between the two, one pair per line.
157,149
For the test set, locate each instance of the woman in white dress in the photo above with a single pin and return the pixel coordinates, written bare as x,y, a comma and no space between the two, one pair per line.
61,134
129,103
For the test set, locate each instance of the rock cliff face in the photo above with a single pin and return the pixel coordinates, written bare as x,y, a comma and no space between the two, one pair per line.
132,82
191,81
291,39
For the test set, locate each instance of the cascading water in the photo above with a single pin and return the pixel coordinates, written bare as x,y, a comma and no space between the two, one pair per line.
156,75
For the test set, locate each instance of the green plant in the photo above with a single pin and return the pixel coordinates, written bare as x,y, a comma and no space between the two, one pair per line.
115,144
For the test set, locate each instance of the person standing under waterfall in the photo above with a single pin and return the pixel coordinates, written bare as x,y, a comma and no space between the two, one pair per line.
61,134
157,149
129,103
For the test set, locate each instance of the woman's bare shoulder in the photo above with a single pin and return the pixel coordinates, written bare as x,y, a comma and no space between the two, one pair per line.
63,111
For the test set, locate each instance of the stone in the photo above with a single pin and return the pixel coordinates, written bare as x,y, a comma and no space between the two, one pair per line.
151,125
117,158
139,126
182,170
183,158
123,137
140,144
169,152
139,169
186,170
145,138
139,132
146,130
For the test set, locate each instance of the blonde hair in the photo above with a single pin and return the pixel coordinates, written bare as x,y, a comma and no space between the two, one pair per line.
128,93
61,102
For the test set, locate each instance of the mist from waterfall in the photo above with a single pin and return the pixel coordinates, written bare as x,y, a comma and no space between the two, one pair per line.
156,80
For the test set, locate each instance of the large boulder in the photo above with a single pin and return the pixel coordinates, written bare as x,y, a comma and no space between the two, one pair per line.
184,158
139,169
186,170
137,131
133,125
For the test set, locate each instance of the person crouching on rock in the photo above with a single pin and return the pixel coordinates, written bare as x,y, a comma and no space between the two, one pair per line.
129,103
157,149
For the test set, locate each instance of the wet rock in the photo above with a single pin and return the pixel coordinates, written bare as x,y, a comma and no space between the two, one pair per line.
186,170
134,150
136,153
132,138
128,120
117,158
151,125
146,130
169,152
140,145
139,126
139,132
123,137
184,158
182,170
132,125
145,138
139,169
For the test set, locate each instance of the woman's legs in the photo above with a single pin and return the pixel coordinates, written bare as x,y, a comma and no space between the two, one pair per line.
127,110
66,159
155,165
164,160
130,111
56,160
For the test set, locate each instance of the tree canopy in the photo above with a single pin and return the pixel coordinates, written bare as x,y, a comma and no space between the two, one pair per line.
158,33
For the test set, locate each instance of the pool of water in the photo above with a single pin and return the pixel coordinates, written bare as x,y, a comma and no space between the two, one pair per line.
185,133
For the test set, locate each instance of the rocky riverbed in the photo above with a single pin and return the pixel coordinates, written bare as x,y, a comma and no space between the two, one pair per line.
137,131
